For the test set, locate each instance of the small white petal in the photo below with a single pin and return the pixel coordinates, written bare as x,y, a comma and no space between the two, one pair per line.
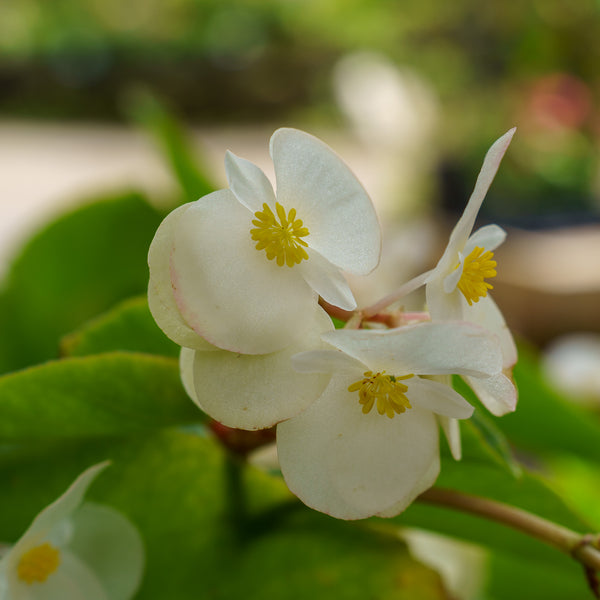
488,238
226,289
442,306
325,361
327,280
328,198
256,392
111,546
451,281
248,183
423,349
351,465
160,289
451,428
497,393
437,397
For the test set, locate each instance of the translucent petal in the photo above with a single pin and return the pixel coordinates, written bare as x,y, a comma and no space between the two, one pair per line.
443,306
423,349
160,289
329,199
258,391
111,546
451,429
225,289
451,281
327,280
325,361
498,393
351,465
488,237
248,183
437,397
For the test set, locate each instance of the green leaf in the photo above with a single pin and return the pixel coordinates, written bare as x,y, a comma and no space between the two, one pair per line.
106,394
171,485
177,149
74,269
128,326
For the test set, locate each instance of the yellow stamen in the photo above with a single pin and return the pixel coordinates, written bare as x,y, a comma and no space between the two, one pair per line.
477,267
38,563
385,390
280,235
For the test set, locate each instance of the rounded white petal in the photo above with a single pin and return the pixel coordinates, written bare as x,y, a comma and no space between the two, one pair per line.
258,391
327,280
423,349
486,313
488,238
442,306
438,398
111,546
350,465
226,289
451,428
186,371
325,361
248,183
160,289
498,393
331,202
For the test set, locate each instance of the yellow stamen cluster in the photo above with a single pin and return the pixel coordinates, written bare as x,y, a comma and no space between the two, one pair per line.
280,235
38,563
476,268
384,389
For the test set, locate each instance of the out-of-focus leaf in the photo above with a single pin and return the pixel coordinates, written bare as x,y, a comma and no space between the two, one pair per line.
105,394
175,145
74,269
128,326
171,485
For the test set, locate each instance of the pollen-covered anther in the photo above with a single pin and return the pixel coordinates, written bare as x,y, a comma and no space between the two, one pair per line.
382,390
477,267
38,563
280,236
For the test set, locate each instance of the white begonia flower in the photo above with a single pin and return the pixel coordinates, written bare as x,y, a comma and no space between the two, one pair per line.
74,552
457,288
249,391
369,444
241,268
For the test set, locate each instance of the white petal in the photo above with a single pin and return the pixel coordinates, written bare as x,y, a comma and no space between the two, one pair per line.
160,289
228,291
255,392
331,202
451,428
423,349
111,546
451,281
488,238
426,481
325,361
463,228
248,183
486,313
327,280
442,306
437,397
186,371
498,393
351,465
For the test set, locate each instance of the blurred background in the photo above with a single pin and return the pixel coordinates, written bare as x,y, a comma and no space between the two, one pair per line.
104,99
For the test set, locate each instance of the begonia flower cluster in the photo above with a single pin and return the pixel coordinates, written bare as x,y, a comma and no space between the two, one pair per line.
235,280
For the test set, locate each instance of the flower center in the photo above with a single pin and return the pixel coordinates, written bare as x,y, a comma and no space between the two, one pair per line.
39,562
280,235
384,389
478,266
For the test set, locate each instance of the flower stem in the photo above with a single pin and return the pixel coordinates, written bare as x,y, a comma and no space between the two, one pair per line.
583,548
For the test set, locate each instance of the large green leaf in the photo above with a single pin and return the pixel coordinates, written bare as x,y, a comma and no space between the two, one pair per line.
106,394
172,486
128,326
76,268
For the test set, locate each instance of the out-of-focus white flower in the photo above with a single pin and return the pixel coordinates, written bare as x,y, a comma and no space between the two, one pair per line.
249,391
241,268
369,444
74,552
458,288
